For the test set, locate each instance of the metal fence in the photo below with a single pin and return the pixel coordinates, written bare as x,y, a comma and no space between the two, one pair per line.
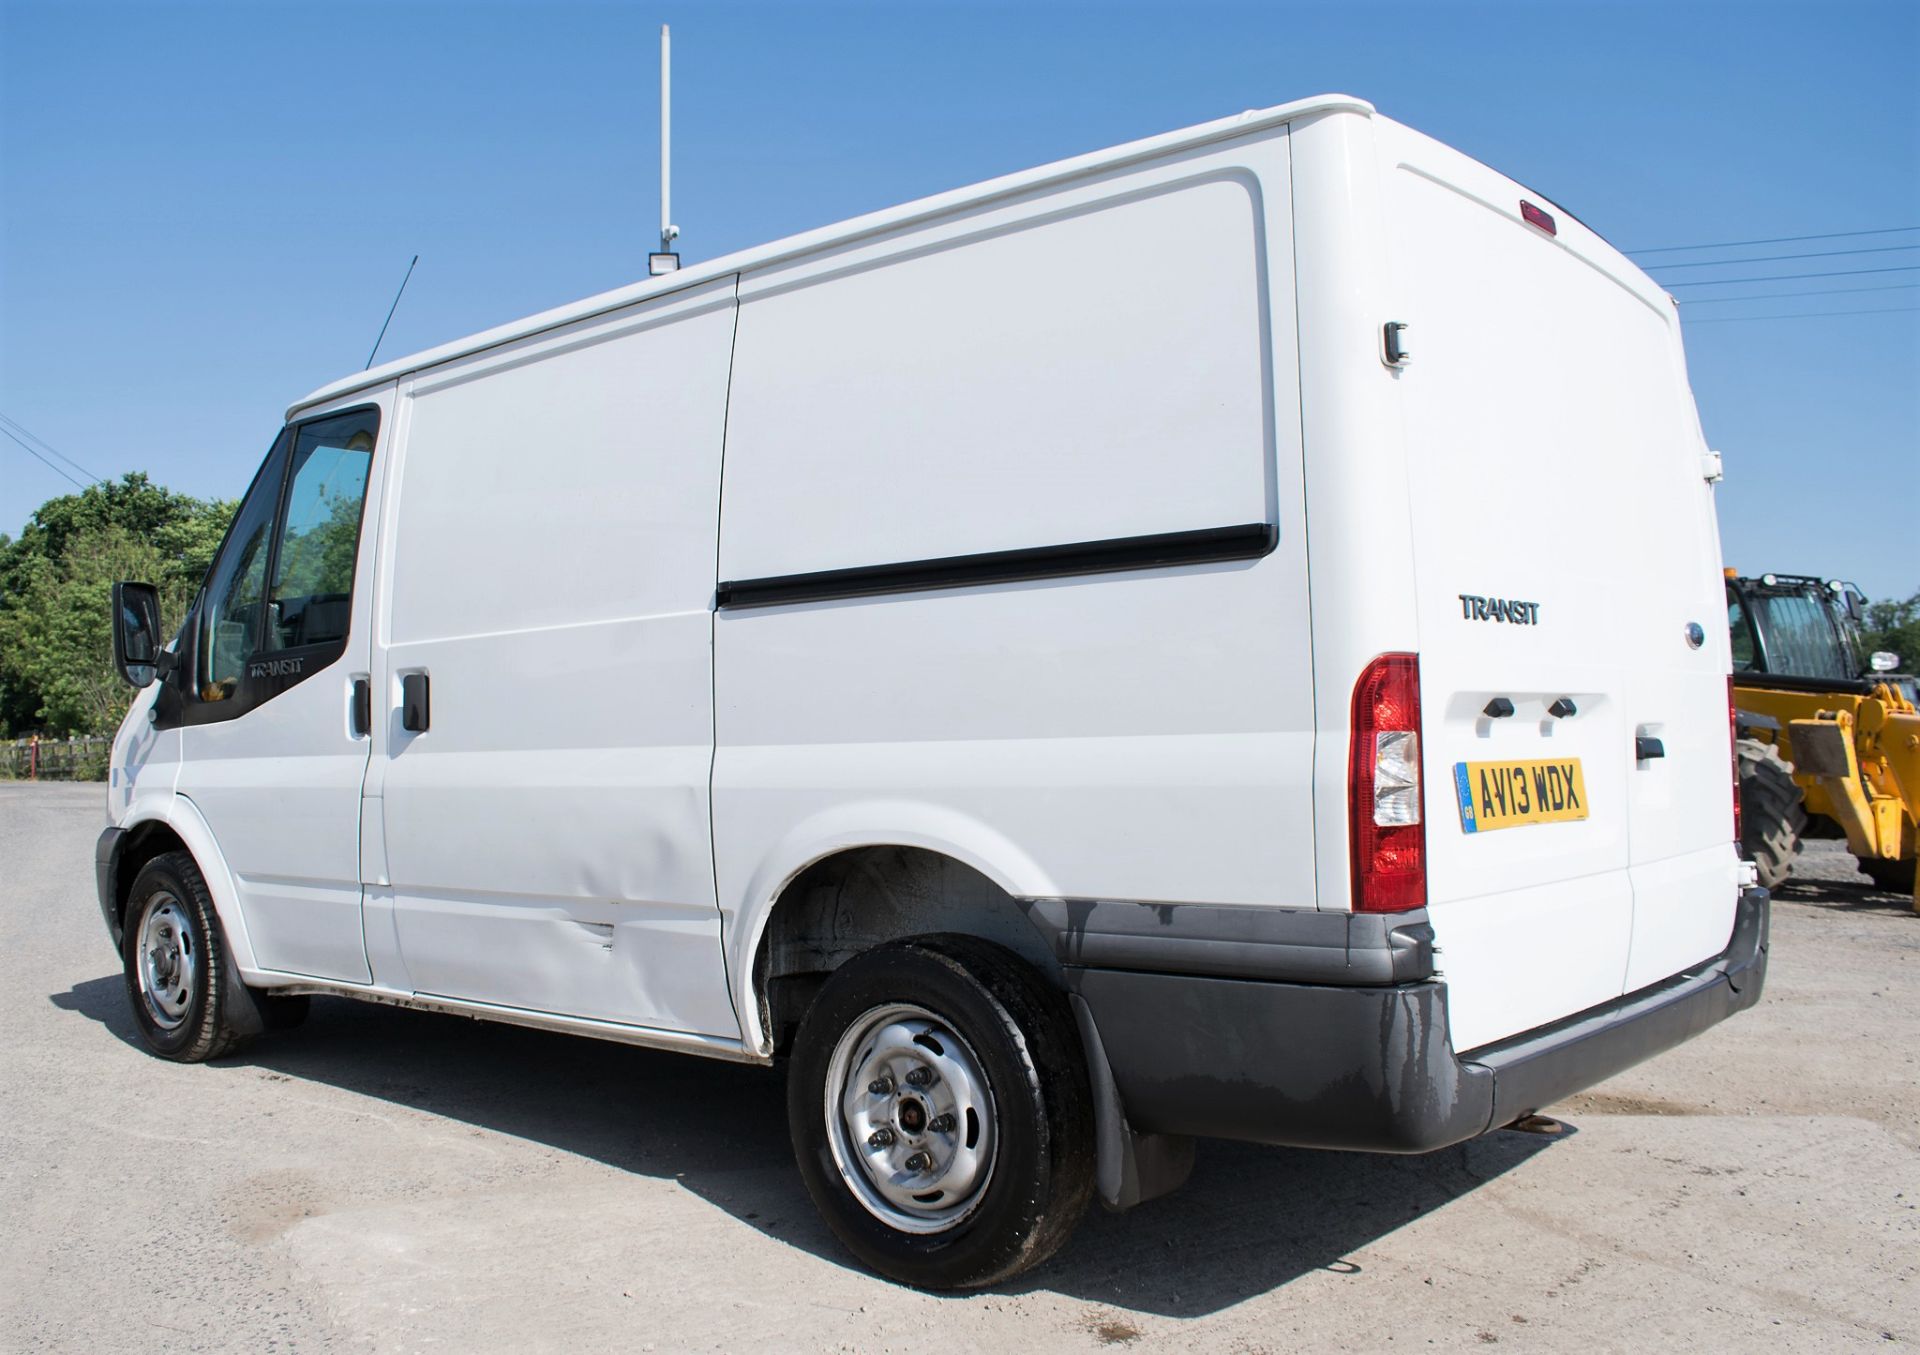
38,759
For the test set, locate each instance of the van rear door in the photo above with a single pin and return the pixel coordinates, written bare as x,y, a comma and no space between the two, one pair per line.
1578,846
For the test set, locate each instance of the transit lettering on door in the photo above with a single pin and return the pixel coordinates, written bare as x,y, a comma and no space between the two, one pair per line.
1505,610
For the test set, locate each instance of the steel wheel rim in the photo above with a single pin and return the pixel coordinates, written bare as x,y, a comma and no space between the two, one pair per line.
910,1119
168,962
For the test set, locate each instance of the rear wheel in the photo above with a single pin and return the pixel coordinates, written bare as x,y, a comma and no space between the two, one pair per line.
940,1112
1772,814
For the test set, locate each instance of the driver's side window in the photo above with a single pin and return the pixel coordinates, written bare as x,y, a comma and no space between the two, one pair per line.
230,614
284,578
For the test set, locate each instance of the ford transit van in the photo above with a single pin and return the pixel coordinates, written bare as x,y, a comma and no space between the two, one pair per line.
1217,637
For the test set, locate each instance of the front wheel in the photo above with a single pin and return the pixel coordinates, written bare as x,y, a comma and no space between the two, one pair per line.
176,963
940,1112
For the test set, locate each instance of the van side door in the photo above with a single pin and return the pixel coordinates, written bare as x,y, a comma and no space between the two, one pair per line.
546,661
273,658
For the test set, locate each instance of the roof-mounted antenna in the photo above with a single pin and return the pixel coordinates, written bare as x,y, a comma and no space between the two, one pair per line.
390,310
666,261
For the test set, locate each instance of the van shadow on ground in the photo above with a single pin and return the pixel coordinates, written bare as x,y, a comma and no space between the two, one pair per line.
1251,1220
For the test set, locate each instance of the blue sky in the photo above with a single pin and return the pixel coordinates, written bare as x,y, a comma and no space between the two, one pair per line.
205,207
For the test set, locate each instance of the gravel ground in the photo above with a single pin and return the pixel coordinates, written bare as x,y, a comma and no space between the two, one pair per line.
396,1181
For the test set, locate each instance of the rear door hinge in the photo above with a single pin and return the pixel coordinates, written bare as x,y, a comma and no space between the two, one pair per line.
1711,469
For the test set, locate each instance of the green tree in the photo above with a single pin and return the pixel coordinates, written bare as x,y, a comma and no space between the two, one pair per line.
1895,627
56,580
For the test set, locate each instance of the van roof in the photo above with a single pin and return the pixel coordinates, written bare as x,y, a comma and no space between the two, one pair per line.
840,233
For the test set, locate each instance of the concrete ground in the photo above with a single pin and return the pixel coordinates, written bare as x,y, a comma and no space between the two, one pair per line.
396,1181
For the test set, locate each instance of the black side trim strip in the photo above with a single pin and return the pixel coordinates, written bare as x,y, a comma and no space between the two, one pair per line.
1205,546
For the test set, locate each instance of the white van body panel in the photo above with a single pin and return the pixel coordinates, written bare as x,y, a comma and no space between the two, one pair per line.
1057,734
857,432
555,811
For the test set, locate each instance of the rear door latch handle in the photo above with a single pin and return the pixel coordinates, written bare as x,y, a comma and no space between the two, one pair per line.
1646,747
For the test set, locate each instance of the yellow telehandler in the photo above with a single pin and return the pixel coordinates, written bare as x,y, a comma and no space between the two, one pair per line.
1828,740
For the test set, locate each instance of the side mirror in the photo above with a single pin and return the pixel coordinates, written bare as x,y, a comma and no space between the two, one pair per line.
136,632
1883,661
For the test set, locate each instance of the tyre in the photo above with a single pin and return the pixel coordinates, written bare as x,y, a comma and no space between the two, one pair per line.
1772,815
940,1112
1896,877
176,964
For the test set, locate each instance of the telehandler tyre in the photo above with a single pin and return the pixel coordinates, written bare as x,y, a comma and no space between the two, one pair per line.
1772,814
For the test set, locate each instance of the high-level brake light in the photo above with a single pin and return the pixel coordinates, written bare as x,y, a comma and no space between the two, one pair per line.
1386,804
1533,216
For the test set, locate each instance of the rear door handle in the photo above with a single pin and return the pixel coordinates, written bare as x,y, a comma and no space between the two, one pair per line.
416,711
362,708
1646,747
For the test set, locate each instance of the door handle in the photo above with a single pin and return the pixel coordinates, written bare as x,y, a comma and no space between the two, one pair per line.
415,707
362,708
1646,747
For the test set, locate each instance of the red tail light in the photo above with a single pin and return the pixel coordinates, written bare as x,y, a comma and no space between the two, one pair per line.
1733,748
1386,804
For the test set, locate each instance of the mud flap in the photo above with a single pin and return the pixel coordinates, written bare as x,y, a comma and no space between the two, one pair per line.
1131,1168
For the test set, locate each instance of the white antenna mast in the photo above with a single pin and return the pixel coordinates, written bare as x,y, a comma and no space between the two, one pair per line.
666,261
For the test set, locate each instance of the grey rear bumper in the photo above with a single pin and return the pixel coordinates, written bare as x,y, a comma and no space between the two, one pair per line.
1371,1067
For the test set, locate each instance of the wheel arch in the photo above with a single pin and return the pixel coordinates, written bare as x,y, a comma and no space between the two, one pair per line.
852,897
176,824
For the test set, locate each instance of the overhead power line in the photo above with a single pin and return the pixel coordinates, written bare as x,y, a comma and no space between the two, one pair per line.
1773,240
42,460
46,446
1805,315
1822,291
1776,258
1791,277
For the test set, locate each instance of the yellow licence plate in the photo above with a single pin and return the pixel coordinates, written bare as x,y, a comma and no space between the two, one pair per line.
1512,794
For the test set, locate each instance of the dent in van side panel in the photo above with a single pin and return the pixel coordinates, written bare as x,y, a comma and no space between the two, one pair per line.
1024,376
552,567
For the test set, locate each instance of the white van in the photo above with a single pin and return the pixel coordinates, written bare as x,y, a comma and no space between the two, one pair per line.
1214,637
